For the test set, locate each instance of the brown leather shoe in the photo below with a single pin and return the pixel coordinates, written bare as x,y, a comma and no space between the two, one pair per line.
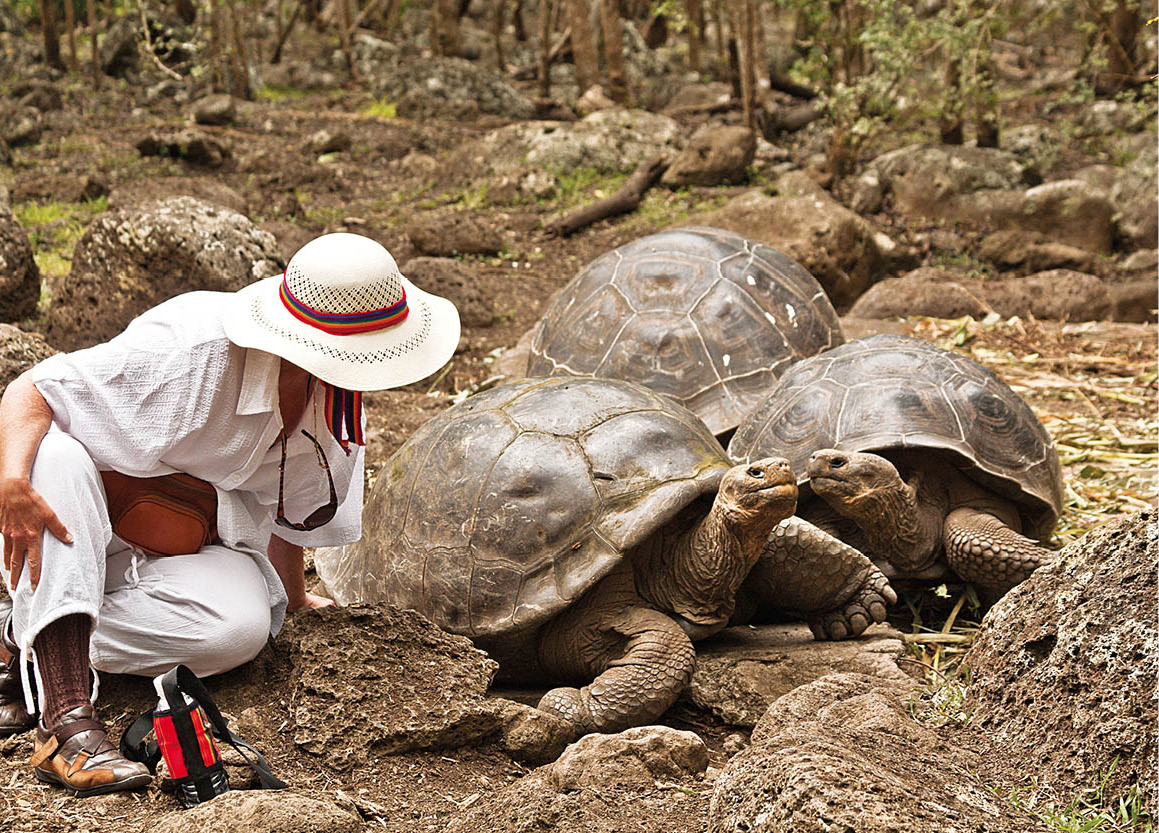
78,756
13,716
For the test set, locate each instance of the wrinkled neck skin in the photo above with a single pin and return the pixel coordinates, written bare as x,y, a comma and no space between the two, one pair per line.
902,523
694,571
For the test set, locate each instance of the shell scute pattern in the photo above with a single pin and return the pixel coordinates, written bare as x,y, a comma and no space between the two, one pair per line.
703,314
504,509
892,392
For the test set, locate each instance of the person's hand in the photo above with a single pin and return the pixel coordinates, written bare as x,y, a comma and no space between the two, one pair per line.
24,515
311,602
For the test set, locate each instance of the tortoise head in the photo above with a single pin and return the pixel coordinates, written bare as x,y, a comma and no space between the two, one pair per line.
759,490
846,479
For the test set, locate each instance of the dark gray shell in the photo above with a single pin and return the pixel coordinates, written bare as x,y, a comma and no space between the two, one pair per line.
701,314
504,509
890,392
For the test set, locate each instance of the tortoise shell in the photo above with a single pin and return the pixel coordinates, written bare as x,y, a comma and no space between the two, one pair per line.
701,314
501,511
891,392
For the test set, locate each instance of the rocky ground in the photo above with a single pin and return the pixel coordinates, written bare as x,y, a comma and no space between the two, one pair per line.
111,202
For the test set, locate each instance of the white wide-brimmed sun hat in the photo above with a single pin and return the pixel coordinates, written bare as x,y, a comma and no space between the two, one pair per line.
344,312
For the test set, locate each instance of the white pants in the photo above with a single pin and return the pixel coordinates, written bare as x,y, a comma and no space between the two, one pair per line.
210,610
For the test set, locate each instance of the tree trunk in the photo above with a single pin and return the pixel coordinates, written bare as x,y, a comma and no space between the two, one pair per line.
445,28
51,38
1122,43
498,13
583,45
91,8
614,50
545,48
721,50
950,120
986,106
625,199
70,33
695,11
217,69
742,23
345,26
187,11
241,75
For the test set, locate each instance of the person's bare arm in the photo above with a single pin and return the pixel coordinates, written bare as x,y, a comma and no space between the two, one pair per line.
287,561
25,418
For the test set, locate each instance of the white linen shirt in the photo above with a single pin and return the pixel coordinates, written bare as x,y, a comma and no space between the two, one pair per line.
173,394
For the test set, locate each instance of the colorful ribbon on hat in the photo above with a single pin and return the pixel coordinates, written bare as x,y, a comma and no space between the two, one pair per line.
349,323
344,416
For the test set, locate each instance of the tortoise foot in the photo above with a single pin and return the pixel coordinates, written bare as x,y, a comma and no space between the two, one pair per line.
867,606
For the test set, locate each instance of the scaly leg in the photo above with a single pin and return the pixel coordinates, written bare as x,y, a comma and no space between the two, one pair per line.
640,658
983,550
833,586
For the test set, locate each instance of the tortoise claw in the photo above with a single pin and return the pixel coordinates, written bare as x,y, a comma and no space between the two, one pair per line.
868,606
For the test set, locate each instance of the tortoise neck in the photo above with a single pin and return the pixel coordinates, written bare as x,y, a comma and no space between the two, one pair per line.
694,569
902,522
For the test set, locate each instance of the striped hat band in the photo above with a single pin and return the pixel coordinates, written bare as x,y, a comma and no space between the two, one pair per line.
347,322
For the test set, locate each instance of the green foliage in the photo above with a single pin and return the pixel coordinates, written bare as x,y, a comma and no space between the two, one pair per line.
1092,811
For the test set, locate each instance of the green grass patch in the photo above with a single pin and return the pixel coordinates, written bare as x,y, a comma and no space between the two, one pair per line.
380,109
54,229
1091,811
279,92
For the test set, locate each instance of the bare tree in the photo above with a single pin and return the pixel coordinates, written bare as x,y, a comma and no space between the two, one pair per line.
444,34
51,38
91,9
614,50
498,12
742,14
70,34
583,45
695,11
545,8
241,74
345,27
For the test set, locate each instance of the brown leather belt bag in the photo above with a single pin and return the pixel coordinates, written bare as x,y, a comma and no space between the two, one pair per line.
171,515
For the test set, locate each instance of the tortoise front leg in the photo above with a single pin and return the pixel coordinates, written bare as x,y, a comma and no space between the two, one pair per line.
985,551
833,586
640,658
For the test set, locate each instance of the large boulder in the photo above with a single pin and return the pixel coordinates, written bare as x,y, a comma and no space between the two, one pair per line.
453,233
922,178
714,156
159,188
439,87
844,754
642,753
608,142
18,352
649,779
132,259
1063,668
1057,294
833,243
454,280
263,812
741,671
375,679
1067,211
19,274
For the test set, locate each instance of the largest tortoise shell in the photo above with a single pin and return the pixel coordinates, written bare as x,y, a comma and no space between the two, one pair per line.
701,314
889,392
503,510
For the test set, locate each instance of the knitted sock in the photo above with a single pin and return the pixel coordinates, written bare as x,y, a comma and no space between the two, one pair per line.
62,654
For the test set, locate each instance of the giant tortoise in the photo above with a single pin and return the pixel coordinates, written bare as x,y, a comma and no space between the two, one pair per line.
914,452
702,314
575,529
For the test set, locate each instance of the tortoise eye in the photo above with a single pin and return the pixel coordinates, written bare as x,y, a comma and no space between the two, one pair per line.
837,462
755,472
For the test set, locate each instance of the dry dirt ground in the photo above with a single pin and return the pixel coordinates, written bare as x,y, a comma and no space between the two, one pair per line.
1094,386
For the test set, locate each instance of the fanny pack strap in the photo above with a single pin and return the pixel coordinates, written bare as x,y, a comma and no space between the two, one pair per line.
178,681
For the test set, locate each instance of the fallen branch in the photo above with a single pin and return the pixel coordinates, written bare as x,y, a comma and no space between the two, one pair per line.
626,199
